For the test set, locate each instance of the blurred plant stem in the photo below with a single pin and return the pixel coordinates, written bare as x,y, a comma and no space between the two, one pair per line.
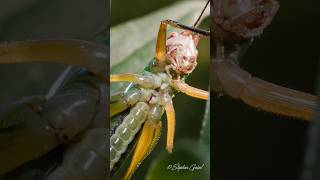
205,130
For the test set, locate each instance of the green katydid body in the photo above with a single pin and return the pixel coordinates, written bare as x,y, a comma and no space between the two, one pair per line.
145,101
139,100
148,96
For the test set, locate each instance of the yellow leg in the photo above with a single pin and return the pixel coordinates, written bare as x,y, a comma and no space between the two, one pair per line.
190,91
125,78
263,95
66,51
161,45
148,139
171,123
117,103
279,100
117,107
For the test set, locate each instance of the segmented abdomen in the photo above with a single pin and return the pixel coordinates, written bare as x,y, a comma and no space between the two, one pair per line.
84,160
126,131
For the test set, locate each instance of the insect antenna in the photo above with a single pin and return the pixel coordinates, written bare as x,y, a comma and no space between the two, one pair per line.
197,21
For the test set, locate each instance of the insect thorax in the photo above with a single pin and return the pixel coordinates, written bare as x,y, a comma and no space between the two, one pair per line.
154,87
146,101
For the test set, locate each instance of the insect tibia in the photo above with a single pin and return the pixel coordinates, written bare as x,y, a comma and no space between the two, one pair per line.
239,84
67,51
230,78
279,100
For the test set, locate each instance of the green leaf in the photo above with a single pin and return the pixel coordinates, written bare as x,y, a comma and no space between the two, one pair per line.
182,163
205,130
133,43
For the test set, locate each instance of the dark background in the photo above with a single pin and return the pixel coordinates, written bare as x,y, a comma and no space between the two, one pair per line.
22,20
255,145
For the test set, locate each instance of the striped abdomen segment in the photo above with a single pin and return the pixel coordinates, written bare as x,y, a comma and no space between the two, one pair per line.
126,131
121,101
84,160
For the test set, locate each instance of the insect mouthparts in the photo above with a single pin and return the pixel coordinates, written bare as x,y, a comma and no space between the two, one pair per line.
182,52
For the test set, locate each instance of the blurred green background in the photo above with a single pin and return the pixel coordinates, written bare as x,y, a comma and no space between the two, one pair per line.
251,144
189,111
